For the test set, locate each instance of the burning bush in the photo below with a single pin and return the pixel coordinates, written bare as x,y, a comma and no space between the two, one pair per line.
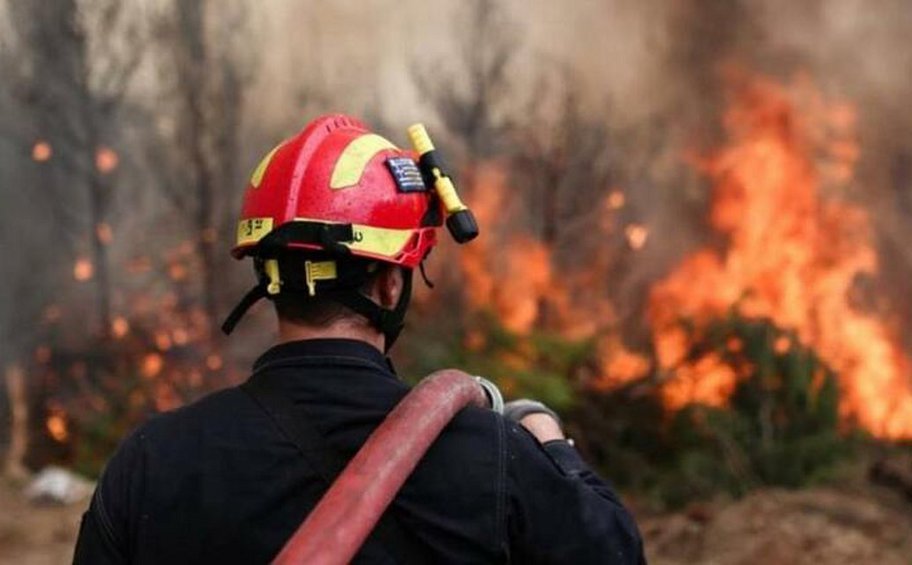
94,389
780,425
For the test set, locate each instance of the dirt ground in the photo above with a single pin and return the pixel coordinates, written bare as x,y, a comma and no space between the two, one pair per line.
816,526
776,527
36,535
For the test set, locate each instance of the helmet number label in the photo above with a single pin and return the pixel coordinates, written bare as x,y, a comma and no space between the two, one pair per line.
252,230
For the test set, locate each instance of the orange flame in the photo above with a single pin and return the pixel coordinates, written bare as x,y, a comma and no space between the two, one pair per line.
83,269
119,327
636,236
56,423
616,200
106,160
793,257
522,267
103,233
214,362
41,151
152,365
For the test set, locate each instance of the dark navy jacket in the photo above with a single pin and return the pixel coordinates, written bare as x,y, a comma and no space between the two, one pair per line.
217,482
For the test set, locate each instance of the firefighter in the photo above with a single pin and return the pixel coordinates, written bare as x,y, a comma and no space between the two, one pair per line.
336,220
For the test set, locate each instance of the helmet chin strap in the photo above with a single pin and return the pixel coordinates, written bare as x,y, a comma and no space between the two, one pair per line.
388,321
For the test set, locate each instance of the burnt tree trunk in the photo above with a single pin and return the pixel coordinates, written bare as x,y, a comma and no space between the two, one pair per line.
98,197
18,402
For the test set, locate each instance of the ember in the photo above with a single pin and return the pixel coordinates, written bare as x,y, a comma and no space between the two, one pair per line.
83,270
41,151
103,233
152,365
119,327
56,424
636,236
106,160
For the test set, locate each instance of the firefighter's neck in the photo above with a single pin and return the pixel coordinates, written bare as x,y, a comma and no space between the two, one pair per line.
341,329
386,289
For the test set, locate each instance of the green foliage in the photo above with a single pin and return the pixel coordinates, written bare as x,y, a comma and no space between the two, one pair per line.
538,366
781,426
106,390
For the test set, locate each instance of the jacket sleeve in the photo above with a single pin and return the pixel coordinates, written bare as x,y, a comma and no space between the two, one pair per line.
104,531
560,511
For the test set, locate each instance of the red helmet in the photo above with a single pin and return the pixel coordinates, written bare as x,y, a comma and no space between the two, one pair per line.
337,190
337,172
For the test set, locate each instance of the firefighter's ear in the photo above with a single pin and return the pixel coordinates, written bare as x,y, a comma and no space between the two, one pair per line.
388,286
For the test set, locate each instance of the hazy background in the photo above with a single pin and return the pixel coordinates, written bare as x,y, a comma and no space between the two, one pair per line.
595,140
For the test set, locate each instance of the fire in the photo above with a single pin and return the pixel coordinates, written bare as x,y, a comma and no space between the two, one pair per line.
615,200
152,365
792,256
636,236
83,269
103,233
162,340
41,151
214,362
514,274
56,424
177,271
180,336
119,327
618,364
511,278
106,160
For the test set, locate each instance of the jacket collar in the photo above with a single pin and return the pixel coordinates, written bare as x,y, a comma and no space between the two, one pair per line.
324,347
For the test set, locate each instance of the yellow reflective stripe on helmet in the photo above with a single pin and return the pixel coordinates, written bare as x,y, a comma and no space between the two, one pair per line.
257,177
252,230
354,159
384,242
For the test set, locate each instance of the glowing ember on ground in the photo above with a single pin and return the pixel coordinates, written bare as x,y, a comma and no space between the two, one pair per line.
119,327
636,236
106,160
83,270
41,151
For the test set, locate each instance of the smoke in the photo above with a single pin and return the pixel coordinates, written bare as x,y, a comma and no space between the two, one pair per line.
651,70
648,71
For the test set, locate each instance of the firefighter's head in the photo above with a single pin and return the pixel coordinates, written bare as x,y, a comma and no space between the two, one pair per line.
336,218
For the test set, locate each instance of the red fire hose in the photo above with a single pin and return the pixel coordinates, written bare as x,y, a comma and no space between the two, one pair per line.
347,513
